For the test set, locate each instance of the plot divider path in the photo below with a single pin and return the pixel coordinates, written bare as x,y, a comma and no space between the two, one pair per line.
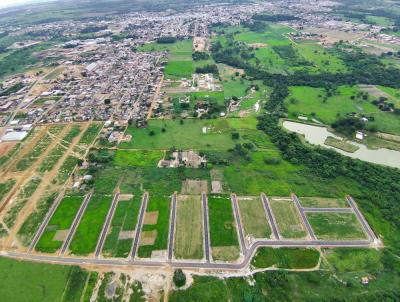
139,226
367,229
75,223
171,234
106,226
236,214
303,217
46,221
270,214
206,228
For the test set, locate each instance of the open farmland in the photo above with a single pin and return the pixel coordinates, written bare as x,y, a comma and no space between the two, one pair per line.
288,218
223,233
189,230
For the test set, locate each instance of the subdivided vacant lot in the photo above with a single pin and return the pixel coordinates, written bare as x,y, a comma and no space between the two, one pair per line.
288,218
120,237
189,228
224,240
253,216
323,202
286,258
154,236
59,224
336,226
88,232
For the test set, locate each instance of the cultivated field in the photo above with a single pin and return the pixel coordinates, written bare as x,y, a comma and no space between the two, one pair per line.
189,228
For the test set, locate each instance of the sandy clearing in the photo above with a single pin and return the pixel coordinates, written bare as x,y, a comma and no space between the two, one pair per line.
150,217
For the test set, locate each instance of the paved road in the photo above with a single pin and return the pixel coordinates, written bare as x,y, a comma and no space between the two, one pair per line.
46,220
238,219
106,226
171,234
75,223
271,217
304,217
139,225
361,218
188,265
206,228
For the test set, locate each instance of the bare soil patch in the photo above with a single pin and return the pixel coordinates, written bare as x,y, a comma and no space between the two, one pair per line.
61,235
216,187
126,235
151,217
5,147
373,90
194,187
125,197
258,45
148,237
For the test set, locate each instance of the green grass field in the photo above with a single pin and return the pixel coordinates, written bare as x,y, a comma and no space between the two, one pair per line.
286,258
311,102
141,158
253,217
125,218
86,236
321,58
223,233
288,219
60,221
279,178
189,228
179,69
321,202
336,226
179,47
192,134
38,282
161,205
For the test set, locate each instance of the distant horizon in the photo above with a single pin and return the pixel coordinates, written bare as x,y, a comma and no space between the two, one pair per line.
11,3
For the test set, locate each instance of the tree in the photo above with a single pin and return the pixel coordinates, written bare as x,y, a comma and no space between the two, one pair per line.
179,278
152,133
235,135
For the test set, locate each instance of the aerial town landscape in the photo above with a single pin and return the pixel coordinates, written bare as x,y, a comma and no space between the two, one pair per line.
176,150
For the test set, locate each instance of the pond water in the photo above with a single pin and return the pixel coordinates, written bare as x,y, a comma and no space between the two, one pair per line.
317,135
